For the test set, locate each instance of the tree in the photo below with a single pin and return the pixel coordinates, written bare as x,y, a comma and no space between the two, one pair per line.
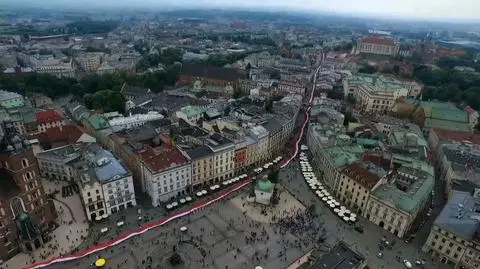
396,69
248,67
175,259
275,74
269,106
368,69
273,175
237,93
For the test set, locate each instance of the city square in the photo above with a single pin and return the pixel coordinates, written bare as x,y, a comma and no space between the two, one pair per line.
220,236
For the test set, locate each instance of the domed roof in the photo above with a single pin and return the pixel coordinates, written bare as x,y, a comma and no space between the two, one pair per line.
264,185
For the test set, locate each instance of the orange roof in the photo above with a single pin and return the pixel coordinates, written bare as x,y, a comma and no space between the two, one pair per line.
361,175
163,157
67,134
378,41
49,116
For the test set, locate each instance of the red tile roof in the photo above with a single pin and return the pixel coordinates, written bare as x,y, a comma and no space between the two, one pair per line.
58,136
444,135
163,157
49,116
378,41
361,175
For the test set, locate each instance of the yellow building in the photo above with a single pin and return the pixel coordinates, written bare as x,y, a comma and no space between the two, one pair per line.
202,166
355,183
261,151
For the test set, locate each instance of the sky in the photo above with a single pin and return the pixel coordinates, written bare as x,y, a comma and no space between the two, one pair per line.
408,9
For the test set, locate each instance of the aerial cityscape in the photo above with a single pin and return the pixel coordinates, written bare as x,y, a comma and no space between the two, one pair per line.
239,135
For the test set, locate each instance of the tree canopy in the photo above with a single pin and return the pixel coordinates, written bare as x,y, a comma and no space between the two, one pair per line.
165,57
449,85
98,91
367,69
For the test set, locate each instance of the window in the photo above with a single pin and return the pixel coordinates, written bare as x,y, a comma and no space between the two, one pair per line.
24,163
96,191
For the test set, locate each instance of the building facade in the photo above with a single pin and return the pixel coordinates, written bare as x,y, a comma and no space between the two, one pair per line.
166,173
376,45
224,157
202,166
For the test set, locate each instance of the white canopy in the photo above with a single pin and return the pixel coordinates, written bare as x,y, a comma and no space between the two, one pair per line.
188,198
174,204
204,192
336,210
199,193
183,229
182,201
346,218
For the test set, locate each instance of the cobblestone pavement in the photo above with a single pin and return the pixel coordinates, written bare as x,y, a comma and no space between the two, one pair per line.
216,238
366,243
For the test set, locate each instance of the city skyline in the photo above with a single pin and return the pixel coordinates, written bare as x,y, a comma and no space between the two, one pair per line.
407,9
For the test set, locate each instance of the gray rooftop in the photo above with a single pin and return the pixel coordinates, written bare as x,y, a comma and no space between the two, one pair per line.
461,215
199,152
95,162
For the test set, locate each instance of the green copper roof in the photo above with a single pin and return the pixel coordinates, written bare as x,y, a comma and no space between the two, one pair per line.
456,115
264,185
412,200
98,122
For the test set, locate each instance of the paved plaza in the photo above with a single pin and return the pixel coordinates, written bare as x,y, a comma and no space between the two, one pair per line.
72,230
287,206
222,236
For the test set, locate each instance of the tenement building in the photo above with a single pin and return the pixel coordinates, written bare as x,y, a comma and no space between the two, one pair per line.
105,183
455,235
166,172
26,214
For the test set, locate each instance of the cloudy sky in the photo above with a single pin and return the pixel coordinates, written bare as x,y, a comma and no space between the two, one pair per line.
421,9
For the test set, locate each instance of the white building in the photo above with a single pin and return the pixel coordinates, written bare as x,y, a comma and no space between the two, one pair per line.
105,184
48,64
166,173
